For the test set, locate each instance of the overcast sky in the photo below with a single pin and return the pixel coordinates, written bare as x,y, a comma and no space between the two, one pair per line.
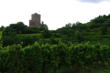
54,13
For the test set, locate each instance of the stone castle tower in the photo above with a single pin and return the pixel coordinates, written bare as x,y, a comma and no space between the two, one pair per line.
35,20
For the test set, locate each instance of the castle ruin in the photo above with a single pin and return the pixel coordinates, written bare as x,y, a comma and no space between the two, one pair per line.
35,20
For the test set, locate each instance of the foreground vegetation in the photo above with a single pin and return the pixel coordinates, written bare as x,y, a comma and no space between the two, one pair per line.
74,48
57,58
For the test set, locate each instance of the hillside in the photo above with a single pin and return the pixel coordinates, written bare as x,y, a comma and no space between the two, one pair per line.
74,48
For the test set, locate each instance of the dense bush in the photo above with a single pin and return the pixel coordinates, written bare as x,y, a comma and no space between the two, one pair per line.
57,58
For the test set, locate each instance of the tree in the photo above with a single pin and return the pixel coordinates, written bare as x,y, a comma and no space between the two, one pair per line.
9,37
2,28
43,26
19,27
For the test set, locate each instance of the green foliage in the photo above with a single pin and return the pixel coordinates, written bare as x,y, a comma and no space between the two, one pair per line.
46,34
0,35
100,21
10,34
104,71
28,39
2,28
103,30
65,50
43,27
9,37
59,58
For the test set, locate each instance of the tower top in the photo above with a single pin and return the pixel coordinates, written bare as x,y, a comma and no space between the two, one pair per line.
35,14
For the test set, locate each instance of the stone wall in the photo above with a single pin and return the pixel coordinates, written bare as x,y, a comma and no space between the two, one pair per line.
35,20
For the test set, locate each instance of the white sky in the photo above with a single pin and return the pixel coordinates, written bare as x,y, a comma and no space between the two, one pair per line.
54,13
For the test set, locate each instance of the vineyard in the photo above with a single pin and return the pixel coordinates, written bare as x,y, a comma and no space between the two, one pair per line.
58,58
74,48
